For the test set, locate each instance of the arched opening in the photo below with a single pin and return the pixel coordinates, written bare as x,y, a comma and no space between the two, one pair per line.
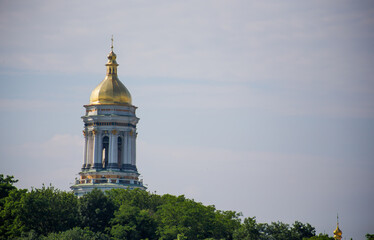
119,152
105,154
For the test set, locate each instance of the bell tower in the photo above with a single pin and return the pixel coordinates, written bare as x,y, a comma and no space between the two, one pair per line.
110,137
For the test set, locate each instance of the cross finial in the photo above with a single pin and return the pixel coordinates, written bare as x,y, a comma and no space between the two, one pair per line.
112,43
337,218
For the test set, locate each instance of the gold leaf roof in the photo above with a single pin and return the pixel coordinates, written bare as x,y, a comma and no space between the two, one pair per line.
111,90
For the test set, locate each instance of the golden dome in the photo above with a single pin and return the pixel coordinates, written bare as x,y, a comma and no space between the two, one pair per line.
338,233
111,90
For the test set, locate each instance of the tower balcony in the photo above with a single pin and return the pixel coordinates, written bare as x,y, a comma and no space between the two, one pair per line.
109,180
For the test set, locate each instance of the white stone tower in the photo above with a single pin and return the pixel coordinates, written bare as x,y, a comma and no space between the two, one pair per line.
110,137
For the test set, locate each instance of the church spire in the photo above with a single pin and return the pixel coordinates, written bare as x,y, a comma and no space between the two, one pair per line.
112,64
337,232
111,90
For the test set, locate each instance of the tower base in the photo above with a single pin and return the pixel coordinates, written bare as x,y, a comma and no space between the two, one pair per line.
106,180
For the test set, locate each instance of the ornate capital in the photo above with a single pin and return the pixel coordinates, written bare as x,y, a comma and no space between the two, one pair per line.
114,132
131,133
84,133
94,132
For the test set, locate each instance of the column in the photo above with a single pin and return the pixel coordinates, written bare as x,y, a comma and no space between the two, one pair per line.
89,150
85,151
134,149
129,148
124,150
110,150
98,149
113,149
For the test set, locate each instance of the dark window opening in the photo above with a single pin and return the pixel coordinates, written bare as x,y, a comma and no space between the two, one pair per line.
105,154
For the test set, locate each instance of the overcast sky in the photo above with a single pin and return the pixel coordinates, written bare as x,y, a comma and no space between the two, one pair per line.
263,107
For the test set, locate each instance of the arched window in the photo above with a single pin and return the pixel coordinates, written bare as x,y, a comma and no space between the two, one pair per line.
119,152
105,157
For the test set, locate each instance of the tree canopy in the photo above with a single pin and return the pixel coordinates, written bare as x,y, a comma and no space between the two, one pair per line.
48,213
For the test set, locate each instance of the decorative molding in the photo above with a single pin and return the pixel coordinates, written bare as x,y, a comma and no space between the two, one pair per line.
119,110
114,132
109,124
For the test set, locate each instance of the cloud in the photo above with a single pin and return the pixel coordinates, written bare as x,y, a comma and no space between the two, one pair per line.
21,104
44,105
318,59
56,160
242,41
299,102
218,167
59,146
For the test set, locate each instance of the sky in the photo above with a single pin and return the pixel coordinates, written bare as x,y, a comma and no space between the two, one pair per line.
262,107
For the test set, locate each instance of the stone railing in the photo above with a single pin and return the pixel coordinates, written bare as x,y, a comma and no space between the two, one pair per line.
108,180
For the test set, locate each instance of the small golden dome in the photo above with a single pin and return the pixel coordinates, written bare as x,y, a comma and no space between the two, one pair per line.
112,57
338,233
111,90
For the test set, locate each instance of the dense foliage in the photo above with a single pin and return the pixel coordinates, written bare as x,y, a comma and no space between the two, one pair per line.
251,230
49,213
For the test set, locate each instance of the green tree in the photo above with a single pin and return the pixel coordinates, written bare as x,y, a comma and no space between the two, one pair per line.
31,235
42,211
225,224
300,231
48,210
179,215
182,237
369,236
48,213
6,185
96,210
10,225
249,230
320,237
276,231
131,223
137,198
76,234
